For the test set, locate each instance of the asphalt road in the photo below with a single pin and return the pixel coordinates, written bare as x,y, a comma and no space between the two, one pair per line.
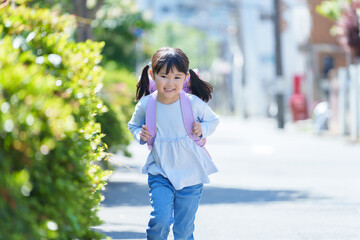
272,185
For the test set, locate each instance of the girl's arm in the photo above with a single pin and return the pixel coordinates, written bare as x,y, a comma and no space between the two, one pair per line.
138,120
208,119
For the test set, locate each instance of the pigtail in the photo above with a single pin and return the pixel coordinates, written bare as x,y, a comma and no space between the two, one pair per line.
142,87
199,87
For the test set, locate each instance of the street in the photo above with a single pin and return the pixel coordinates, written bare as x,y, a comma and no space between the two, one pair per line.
272,185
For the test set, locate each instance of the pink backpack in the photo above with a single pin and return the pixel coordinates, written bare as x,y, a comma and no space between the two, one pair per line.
186,109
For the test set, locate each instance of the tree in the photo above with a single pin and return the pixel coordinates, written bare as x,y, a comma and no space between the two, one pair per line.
197,45
345,14
84,10
119,24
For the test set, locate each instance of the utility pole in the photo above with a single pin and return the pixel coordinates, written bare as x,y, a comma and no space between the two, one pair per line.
239,75
279,71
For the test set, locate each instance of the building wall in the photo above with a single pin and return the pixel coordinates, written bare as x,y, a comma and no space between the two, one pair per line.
320,32
322,47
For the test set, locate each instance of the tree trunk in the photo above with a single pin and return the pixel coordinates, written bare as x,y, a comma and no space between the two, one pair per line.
85,16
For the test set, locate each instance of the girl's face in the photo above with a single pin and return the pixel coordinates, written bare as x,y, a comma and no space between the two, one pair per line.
169,85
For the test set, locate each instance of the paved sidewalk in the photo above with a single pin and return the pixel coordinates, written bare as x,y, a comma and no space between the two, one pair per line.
272,185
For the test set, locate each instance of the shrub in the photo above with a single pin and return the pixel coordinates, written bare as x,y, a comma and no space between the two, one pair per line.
50,180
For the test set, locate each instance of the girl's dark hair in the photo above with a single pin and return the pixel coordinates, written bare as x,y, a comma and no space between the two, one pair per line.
173,57
199,87
142,87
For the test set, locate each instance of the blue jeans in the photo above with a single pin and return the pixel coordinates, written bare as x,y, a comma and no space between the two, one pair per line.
170,206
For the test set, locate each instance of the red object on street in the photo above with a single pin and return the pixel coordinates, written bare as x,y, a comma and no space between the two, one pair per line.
298,101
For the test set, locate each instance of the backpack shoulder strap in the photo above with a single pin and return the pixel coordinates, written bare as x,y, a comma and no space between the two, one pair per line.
151,118
188,118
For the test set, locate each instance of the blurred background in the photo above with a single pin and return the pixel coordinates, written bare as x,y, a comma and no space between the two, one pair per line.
69,69
284,59
266,58
277,59
289,59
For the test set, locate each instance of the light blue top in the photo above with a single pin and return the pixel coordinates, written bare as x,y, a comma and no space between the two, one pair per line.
174,154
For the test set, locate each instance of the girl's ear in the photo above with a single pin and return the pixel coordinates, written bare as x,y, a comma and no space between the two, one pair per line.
151,74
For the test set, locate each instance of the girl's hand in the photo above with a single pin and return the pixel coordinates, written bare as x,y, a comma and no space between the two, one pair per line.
197,130
144,133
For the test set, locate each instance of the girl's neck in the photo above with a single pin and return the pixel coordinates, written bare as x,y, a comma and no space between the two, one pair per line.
165,100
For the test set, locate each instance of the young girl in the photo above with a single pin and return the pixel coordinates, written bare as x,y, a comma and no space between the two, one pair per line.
177,167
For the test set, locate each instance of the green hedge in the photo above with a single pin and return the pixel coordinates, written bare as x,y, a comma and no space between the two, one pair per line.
50,179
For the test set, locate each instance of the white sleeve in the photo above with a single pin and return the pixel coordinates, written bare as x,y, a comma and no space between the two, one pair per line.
208,119
137,120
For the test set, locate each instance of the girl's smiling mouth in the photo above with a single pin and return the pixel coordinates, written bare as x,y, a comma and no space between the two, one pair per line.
169,89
